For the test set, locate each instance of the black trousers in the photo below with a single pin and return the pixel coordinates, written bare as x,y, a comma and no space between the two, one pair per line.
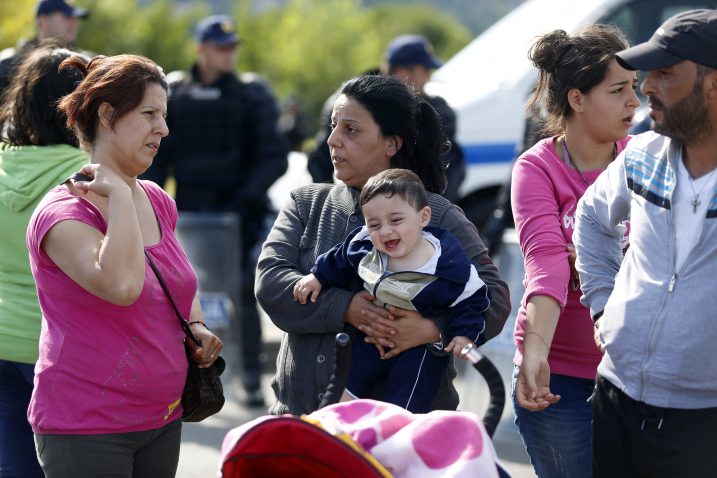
633,439
145,454
253,230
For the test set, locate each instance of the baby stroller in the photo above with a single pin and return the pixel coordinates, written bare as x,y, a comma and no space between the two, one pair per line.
368,438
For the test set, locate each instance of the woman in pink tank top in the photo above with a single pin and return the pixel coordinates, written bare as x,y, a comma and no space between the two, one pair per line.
112,363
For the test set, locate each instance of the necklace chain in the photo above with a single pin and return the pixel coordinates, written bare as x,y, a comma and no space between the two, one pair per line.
572,161
696,198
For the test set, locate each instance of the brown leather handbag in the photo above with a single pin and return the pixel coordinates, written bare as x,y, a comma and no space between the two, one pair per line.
203,394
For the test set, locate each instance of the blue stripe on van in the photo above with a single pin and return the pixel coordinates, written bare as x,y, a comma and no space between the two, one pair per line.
489,153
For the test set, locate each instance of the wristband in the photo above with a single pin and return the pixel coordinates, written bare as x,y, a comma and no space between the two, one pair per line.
198,322
597,316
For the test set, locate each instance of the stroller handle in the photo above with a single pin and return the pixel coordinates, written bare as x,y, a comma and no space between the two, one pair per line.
495,386
480,362
340,374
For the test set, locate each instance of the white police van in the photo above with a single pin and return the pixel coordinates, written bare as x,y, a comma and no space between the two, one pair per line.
488,82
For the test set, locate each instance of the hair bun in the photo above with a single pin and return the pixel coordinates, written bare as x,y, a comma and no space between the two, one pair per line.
77,62
549,49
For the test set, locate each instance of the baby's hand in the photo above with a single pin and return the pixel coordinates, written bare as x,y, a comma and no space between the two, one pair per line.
457,344
307,286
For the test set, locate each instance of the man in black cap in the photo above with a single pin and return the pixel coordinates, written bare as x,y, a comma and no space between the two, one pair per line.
57,20
224,151
411,58
655,400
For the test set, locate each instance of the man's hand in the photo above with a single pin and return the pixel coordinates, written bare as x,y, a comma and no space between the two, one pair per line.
598,337
572,255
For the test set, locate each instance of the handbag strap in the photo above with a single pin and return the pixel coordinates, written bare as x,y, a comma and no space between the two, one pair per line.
182,321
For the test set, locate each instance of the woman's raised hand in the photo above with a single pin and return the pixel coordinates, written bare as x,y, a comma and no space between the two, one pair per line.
104,180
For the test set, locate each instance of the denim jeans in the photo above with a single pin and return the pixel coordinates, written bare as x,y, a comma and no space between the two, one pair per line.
558,439
17,447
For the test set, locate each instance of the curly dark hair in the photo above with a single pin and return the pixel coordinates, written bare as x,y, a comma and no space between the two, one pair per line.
29,115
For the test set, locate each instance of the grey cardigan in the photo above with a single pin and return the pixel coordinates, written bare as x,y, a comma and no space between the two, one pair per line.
316,218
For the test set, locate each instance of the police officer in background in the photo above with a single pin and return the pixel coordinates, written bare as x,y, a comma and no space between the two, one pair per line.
224,152
411,58
57,20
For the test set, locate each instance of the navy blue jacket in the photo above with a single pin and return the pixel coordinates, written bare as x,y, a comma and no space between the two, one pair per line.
452,290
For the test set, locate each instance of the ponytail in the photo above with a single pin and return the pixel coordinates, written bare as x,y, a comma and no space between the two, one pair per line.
431,143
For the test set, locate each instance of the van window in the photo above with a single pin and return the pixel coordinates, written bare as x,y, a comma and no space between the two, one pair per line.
640,18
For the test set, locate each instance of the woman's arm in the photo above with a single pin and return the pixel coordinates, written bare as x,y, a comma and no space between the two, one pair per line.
286,256
110,266
539,225
532,388
537,220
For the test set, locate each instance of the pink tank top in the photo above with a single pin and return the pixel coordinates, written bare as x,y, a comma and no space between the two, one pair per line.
105,368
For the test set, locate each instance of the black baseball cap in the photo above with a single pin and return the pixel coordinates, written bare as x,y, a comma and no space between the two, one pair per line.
45,7
218,29
407,50
690,35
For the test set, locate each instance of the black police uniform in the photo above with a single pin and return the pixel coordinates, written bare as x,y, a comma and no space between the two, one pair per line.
224,151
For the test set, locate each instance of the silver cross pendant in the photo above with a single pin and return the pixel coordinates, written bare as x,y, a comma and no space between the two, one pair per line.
696,203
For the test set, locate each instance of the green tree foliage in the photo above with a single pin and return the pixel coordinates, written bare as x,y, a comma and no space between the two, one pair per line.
477,15
309,47
444,31
305,48
17,20
153,29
